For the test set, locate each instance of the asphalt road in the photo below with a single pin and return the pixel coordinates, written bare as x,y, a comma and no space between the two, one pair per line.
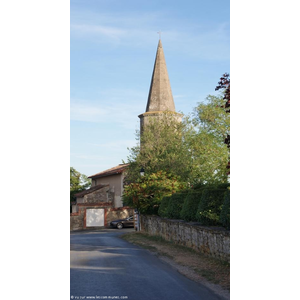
103,266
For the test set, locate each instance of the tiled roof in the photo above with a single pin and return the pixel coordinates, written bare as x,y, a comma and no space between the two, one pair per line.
90,190
112,171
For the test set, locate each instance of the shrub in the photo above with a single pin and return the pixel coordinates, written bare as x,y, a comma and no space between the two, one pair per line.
147,192
190,205
201,185
210,206
198,186
175,205
222,186
162,211
225,212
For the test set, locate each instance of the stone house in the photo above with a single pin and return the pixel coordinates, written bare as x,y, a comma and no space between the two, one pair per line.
114,177
102,202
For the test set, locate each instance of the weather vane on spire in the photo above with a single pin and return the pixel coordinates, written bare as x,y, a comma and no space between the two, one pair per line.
159,32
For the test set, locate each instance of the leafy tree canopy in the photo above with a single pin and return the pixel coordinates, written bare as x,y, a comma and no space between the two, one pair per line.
162,149
212,118
147,192
193,149
78,183
211,125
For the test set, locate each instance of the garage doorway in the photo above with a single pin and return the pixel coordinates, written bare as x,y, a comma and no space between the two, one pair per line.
94,217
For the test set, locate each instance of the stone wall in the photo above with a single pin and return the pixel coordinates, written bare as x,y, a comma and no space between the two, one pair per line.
102,195
117,213
76,221
211,241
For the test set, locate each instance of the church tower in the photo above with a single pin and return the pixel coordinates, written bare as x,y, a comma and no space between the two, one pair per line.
160,98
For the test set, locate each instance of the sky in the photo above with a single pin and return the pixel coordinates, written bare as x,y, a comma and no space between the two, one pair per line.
106,63
112,51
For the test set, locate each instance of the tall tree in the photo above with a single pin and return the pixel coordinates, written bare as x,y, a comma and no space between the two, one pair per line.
193,149
224,85
78,182
161,147
212,125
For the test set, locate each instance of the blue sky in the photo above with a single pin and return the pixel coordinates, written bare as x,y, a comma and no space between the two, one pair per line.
111,67
112,51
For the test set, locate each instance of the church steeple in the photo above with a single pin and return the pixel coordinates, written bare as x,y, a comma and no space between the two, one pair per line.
160,96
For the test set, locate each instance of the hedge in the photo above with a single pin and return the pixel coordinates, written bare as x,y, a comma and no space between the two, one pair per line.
200,186
190,205
162,211
175,205
225,212
210,206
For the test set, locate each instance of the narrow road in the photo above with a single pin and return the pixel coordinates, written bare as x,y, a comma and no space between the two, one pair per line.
103,266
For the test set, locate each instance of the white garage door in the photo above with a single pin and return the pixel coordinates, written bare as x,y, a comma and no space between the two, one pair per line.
94,217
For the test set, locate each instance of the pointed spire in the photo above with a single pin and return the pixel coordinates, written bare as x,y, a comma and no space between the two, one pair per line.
160,94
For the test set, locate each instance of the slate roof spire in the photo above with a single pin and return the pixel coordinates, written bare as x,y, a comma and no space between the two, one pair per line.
160,96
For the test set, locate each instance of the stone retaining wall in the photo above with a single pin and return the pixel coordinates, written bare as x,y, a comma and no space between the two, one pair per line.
76,221
208,240
118,213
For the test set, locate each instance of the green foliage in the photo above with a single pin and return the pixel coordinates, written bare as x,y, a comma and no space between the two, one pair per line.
199,186
209,127
210,206
224,186
175,205
225,212
193,149
162,149
162,211
190,205
78,182
148,191
212,117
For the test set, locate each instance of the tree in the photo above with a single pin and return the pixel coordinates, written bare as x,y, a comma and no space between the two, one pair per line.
161,147
211,126
212,118
224,85
78,182
193,149
147,192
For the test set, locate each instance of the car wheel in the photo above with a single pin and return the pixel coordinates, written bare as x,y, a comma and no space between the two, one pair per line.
119,225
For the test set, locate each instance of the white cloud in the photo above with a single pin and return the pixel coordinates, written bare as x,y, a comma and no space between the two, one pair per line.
115,106
110,32
88,157
140,30
116,144
87,112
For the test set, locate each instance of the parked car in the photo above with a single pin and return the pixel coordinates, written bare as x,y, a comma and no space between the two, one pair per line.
128,222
